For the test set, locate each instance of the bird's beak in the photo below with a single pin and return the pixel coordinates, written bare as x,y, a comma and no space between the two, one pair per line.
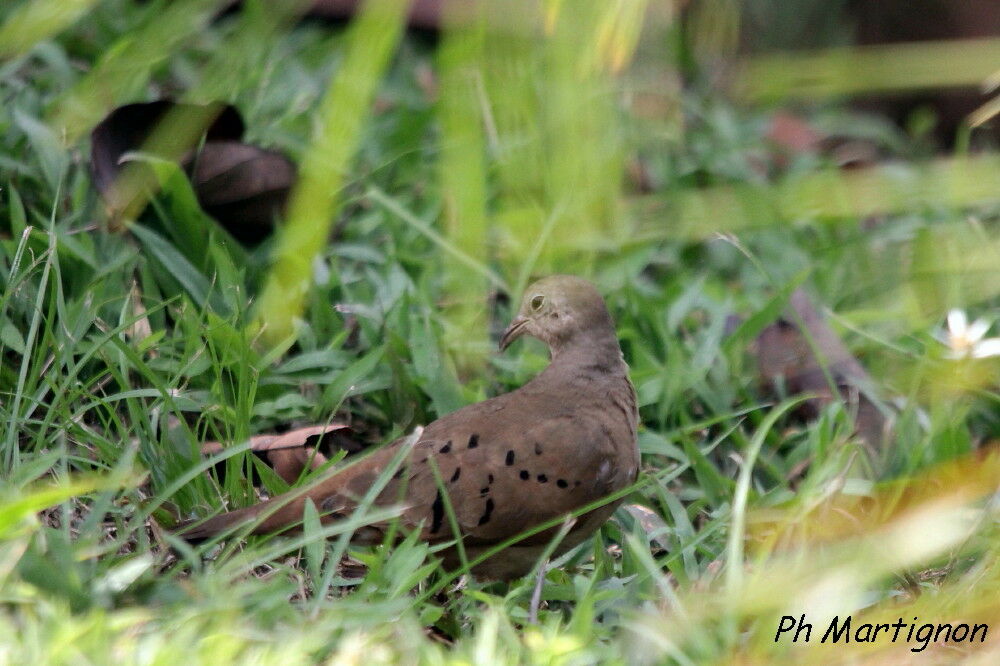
513,332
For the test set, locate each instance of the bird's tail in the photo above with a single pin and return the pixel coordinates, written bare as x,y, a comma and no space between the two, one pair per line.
278,514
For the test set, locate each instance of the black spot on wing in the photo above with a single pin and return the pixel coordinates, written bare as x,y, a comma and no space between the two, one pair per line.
509,459
437,513
483,492
525,475
473,441
446,448
538,449
454,477
485,518
490,479
562,483
542,478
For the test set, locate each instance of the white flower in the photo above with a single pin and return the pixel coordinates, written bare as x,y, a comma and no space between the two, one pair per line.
966,340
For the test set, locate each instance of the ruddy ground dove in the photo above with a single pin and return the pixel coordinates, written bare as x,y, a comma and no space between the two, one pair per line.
560,442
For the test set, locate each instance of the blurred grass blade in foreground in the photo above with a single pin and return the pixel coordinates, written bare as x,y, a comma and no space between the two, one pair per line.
123,72
371,42
857,70
463,173
38,20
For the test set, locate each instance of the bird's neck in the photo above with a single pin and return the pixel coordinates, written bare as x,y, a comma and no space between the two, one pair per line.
596,352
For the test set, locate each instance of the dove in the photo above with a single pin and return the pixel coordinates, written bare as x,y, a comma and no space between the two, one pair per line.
562,441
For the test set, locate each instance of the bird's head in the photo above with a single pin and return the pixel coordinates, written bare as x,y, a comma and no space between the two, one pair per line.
560,310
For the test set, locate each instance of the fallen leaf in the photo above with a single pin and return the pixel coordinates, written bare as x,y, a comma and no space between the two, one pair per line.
424,14
128,128
792,133
654,526
242,186
786,357
289,453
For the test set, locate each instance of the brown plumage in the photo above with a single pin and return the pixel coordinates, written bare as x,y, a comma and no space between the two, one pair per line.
560,442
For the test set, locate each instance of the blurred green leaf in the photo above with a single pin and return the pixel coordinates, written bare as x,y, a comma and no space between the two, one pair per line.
37,20
890,67
372,39
52,156
177,267
750,328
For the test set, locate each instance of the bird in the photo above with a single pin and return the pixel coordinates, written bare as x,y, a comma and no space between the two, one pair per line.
565,439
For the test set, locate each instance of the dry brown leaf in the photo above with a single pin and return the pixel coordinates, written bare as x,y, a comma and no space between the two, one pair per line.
424,14
654,526
240,185
288,453
785,355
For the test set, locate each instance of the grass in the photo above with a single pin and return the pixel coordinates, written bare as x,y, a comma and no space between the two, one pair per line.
484,159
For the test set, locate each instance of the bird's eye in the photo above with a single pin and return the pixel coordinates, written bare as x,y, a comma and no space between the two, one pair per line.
536,302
